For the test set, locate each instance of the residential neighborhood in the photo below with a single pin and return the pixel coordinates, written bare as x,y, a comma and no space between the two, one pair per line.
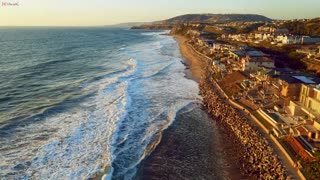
285,100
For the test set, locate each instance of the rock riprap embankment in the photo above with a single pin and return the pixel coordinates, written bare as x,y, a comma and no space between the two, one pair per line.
258,159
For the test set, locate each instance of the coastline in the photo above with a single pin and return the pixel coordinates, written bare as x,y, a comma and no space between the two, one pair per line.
236,150
239,149
196,65
192,62
191,147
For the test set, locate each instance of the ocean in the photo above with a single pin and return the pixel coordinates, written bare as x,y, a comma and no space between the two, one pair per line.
75,102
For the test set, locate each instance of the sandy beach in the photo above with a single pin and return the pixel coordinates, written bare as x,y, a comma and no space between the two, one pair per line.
194,146
223,145
195,62
234,150
196,65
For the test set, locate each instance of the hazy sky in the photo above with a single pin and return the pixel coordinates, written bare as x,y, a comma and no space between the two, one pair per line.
103,12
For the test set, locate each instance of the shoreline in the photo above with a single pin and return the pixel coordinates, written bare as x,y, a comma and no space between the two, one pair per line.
192,63
236,151
195,70
193,146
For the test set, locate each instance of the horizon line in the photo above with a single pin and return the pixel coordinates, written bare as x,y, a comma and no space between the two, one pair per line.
119,23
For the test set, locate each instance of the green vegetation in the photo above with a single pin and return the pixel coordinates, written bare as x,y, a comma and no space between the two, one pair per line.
307,27
249,28
311,170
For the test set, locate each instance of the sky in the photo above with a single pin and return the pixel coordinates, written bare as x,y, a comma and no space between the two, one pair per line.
107,12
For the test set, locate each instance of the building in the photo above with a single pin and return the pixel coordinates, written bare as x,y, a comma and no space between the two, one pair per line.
279,30
308,108
289,83
253,63
309,40
252,60
237,55
310,97
289,39
308,105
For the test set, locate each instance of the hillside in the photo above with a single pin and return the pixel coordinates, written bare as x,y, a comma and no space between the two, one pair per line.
309,27
215,18
203,19
129,24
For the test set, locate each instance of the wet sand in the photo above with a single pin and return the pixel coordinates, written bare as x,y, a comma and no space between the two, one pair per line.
189,149
194,61
195,146
234,150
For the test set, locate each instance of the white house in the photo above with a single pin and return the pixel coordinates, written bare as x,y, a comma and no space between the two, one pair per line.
288,39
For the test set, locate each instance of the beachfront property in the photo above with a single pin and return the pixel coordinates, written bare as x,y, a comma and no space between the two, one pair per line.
308,109
250,79
252,60
308,104
289,82
253,63
298,124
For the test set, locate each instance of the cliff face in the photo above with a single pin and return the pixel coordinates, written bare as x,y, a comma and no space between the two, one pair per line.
188,30
182,30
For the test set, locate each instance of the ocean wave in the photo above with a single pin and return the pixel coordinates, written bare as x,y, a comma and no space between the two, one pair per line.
113,129
158,91
72,144
155,33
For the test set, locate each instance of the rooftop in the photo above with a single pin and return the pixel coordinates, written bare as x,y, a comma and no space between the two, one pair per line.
256,54
251,53
306,80
294,77
310,128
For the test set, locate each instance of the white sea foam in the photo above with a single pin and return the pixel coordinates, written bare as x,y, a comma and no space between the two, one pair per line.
74,144
115,129
158,91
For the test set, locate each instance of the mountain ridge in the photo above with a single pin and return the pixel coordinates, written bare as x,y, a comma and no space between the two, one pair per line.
203,19
215,18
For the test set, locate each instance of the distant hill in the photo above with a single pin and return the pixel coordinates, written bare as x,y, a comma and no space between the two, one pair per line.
202,18
129,24
215,18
